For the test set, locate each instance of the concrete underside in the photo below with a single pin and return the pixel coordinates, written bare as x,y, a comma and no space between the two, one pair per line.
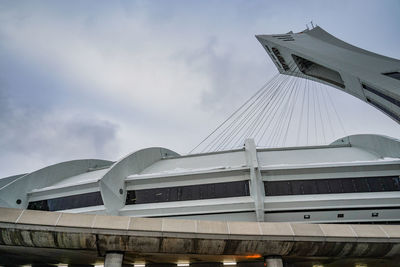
12,255
32,237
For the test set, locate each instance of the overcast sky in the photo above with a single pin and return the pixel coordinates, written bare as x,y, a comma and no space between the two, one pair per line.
101,79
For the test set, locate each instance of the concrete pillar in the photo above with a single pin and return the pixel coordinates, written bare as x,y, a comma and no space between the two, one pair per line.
113,259
273,261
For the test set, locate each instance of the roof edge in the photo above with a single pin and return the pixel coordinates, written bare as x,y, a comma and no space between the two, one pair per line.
382,145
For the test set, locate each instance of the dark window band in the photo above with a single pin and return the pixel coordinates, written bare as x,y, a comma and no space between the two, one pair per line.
318,71
68,202
332,186
191,192
280,58
378,93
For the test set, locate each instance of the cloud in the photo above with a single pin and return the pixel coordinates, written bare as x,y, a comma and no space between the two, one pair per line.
32,139
154,75
132,59
101,79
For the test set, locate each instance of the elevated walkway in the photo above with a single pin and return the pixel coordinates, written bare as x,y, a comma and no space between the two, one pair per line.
62,238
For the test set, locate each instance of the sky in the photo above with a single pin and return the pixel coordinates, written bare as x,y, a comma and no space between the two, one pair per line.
101,79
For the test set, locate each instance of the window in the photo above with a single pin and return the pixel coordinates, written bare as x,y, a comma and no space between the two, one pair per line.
315,70
323,186
279,188
394,75
68,202
361,185
332,186
379,93
309,188
284,37
280,58
190,192
375,183
335,186
348,186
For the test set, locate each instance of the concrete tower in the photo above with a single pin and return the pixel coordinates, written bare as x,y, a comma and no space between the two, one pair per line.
319,56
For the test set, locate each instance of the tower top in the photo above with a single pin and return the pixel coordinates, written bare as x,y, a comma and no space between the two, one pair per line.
317,55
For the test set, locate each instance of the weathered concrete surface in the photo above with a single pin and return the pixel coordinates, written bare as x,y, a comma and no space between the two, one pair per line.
53,237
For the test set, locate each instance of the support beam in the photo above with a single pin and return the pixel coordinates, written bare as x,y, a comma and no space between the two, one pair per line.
273,261
113,259
256,184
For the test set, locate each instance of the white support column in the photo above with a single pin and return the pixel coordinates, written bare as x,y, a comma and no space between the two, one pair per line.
113,259
256,184
273,261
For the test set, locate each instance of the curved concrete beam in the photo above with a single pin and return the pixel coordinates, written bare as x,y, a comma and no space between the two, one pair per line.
112,184
171,240
14,194
6,180
381,145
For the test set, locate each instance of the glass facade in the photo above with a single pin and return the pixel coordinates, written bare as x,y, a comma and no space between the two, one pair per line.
190,192
68,202
332,186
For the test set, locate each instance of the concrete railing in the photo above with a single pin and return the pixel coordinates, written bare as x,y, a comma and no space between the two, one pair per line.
174,239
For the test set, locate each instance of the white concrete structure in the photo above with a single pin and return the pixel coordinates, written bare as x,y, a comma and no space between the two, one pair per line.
354,179
317,55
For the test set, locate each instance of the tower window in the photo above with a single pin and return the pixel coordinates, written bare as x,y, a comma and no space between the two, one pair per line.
381,94
318,71
394,75
280,58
